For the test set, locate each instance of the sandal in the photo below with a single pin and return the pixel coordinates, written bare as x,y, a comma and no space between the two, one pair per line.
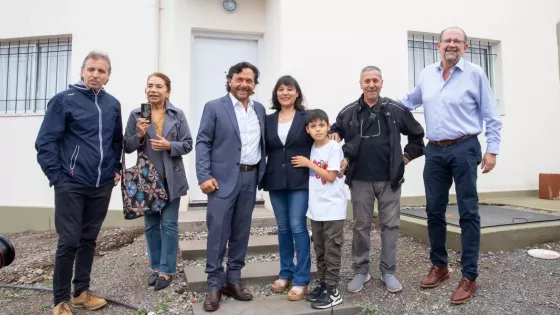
280,285
297,293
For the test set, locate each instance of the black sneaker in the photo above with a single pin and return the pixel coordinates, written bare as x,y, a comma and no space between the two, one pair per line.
329,297
315,293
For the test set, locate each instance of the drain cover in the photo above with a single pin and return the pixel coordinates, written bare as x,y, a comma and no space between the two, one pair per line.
543,253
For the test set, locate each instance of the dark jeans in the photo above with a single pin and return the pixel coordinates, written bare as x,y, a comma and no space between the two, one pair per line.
78,216
290,208
459,163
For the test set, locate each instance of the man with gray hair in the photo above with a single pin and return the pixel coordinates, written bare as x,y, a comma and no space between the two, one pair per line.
371,128
79,148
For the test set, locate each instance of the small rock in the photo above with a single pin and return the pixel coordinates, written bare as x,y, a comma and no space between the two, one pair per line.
39,271
519,300
435,307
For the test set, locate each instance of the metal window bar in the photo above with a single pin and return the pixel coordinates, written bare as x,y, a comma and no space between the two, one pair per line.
420,47
37,78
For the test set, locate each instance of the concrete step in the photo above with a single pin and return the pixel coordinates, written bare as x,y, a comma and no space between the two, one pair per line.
251,274
194,220
196,249
277,305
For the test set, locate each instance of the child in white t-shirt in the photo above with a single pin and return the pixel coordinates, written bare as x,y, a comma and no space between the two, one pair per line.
327,208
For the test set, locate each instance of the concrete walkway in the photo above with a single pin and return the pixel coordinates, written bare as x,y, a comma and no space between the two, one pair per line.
531,202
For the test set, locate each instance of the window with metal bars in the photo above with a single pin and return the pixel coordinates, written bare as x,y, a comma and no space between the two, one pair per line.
422,51
31,72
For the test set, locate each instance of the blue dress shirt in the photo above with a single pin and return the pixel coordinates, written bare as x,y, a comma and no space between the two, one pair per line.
456,107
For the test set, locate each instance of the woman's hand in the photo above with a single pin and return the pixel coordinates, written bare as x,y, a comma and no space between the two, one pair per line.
161,144
142,125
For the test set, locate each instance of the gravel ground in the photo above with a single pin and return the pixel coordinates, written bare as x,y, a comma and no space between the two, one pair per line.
511,282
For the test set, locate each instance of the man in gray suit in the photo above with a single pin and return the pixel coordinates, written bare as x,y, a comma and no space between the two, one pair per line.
230,162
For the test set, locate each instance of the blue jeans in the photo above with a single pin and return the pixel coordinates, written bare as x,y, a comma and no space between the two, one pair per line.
162,237
459,163
290,208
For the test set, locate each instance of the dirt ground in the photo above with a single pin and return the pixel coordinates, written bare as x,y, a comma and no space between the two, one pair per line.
511,282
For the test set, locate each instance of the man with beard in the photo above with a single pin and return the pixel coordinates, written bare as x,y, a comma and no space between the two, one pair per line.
371,128
457,97
230,162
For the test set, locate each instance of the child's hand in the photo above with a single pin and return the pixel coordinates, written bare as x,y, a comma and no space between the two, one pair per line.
300,161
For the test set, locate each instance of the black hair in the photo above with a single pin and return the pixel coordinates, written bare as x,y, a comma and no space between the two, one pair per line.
317,114
237,68
287,80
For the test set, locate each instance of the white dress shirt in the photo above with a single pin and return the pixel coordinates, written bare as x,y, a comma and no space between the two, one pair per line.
249,130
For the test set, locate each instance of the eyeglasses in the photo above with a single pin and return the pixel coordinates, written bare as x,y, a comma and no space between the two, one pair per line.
372,118
454,41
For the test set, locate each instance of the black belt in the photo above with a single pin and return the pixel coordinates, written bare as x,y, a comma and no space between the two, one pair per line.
247,168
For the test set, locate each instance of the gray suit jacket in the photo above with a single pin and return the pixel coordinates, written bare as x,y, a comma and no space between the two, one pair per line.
176,131
218,145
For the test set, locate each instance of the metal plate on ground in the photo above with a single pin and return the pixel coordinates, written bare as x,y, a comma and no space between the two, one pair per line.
489,216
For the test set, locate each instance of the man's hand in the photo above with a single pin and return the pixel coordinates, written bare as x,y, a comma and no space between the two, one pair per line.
343,166
142,125
209,186
161,144
488,162
117,178
334,136
405,160
300,161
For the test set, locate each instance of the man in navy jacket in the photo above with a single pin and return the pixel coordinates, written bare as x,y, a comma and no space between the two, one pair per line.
79,148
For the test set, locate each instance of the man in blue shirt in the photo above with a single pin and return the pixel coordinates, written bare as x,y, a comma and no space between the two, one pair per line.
457,97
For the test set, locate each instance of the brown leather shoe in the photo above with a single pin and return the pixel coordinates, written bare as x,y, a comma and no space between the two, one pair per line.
212,301
235,291
434,277
465,291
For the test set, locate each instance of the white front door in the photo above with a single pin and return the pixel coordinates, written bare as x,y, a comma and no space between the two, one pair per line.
211,59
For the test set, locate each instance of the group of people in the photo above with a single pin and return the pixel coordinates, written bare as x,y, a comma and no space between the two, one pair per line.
294,154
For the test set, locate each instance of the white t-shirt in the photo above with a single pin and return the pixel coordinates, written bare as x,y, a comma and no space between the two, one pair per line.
327,201
283,129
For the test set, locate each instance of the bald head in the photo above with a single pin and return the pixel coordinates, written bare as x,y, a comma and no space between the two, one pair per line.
453,28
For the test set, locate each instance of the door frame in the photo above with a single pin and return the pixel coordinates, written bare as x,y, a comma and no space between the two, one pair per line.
206,33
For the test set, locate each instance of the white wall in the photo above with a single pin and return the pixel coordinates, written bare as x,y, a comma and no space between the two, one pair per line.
326,44
322,43
108,26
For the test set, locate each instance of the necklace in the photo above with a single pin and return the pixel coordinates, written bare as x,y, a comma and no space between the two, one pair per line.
286,118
